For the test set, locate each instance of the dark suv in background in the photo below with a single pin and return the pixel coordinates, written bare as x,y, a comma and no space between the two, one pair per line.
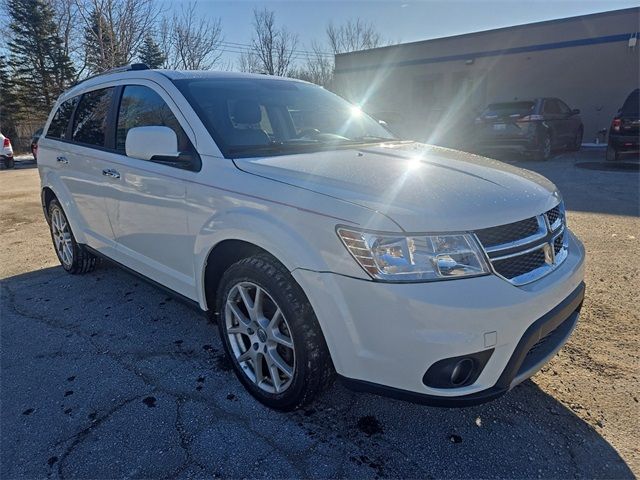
624,133
534,127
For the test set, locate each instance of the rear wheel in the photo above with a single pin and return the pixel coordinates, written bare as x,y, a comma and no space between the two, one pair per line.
73,257
271,334
544,152
612,154
9,162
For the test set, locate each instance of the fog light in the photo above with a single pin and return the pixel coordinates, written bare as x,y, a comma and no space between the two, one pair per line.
456,372
462,371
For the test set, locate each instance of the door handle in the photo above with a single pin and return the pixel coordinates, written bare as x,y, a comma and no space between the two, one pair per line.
109,172
62,160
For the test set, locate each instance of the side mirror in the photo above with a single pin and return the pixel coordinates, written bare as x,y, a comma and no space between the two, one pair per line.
575,111
146,143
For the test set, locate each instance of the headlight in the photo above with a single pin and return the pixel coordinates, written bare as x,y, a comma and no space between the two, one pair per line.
416,258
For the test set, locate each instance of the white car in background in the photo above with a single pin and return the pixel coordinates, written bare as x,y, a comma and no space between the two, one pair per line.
6,154
320,242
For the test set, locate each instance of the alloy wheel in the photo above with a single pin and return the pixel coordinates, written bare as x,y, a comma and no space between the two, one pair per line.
61,234
260,337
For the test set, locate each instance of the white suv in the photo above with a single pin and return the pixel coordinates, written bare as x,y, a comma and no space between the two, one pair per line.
320,242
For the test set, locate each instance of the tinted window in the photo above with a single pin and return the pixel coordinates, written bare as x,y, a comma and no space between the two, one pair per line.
551,106
563,107
632,103
60,121
508,108
90,123
142,107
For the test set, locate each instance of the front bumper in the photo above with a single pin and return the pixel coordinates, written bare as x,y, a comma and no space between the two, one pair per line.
383,337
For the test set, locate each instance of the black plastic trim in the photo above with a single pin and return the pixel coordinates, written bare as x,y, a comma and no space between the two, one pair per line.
567,311
439,374
178,296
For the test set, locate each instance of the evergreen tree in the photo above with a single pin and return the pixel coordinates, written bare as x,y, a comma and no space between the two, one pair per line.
41,69
150,53
101,47
8,100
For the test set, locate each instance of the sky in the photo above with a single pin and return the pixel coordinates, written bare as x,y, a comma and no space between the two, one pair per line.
397,20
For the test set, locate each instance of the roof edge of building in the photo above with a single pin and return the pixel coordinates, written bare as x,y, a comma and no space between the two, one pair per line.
500,29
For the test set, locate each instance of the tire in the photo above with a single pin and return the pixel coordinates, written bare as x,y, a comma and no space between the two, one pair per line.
577,141
249,335
9,162
544,151
612,154
73,257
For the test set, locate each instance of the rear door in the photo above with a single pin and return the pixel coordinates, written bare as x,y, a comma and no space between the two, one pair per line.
80,159
150,218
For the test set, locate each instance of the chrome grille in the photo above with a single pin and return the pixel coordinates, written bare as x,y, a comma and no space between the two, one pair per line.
511,232
524,251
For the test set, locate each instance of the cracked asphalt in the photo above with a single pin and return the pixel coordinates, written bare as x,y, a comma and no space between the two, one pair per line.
105,376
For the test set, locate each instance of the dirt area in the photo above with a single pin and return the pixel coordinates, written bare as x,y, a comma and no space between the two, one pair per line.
105,376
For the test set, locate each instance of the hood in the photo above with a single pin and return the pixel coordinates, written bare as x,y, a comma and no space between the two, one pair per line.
422,188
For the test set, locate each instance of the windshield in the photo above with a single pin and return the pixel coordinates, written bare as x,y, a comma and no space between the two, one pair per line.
258,117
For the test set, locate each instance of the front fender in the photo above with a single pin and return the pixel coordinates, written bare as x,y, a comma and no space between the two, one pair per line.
305,243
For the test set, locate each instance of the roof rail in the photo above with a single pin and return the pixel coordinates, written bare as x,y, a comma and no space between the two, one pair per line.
123,68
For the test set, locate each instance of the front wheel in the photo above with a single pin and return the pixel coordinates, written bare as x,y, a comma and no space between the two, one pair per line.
74,258
577,141
271,334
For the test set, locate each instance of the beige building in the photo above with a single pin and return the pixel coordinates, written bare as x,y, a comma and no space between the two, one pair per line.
433,89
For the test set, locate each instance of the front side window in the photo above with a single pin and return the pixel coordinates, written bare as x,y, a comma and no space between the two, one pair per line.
142,107
551,107
60,121
250,117
564,108
90,122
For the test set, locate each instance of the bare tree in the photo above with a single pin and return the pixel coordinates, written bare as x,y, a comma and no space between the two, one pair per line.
69,26
274,47
249,63
195,43
352,36
115,30
348,37
318,66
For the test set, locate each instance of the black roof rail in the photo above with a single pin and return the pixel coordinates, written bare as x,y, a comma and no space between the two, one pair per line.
123,68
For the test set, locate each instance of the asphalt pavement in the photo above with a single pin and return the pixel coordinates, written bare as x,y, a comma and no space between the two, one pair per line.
105,376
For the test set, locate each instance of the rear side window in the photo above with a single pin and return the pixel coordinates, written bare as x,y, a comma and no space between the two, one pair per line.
142,107
61,119
90,122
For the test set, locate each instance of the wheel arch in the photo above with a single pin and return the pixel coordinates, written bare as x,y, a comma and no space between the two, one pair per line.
46,195
220,257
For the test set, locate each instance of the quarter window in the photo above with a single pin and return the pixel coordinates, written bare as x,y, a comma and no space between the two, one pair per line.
60,122
142,107
90,123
